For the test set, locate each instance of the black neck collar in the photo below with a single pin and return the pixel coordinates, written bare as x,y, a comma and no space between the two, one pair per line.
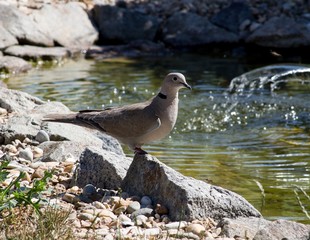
162,96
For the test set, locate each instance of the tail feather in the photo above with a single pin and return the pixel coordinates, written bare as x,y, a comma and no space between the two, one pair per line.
63,118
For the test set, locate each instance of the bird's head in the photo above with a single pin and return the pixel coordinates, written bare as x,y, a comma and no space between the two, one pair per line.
174,82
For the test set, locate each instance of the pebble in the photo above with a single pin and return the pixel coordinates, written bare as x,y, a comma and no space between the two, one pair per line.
86,216
107,213
3,111
10,148
120,210
37,152
89,190
140,220
196,228
143,211
175,225
152,231
19,167
161,210
38,173
99,205
70,198
133,206
42,136
146,201
26,154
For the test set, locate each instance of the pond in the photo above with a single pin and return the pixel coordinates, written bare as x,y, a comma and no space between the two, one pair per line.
254,139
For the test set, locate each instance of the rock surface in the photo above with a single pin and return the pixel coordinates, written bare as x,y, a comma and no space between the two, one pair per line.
14,64
185,197
7,39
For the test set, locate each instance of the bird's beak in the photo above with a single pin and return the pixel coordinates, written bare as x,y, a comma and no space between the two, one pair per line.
187,86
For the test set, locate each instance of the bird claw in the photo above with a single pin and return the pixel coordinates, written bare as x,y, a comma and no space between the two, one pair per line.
140,151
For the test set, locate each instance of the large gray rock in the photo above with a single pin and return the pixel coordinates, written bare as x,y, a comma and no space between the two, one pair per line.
37,53
23,27
17,101
190,29
101,168
283,229
14,64
6,39
246,228
233,16
281,32
67,24
185,197
124,25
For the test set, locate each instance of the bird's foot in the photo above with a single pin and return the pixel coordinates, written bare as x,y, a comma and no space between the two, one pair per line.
140,151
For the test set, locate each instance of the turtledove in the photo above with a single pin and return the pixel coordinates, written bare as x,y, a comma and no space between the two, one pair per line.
135,124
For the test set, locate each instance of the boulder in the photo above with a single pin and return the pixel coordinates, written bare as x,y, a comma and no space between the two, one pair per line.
14,64
37,53
22,27
281,32
101,168
246,228
127,25
190,29
283,229
185,197
67,24
7,39
231,17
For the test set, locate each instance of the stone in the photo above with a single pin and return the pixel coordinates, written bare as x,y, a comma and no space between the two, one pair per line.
86,216
141,27
22,27
38,173
42,136
107,213
7,39
89,190
175,225
143,211
281,32
101,168
152,231
26,154
243,227
140,220
161,210
99,205
37,152
38,53
190,29
231,17
14,65
59,21
70,198
196,228
146,201
186,198
133,206
283,229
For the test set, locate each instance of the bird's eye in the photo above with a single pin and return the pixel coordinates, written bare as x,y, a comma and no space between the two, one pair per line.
175,78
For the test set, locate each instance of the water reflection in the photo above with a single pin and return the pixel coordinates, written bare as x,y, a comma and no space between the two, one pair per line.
232,139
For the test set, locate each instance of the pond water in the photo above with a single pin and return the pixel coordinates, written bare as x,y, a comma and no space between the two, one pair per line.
254,140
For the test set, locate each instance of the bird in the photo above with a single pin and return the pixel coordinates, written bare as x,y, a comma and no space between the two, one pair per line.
135,124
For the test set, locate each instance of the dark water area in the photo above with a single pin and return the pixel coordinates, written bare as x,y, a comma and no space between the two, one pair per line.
249,135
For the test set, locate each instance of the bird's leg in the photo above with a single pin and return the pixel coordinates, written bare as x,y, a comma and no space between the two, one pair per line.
139,150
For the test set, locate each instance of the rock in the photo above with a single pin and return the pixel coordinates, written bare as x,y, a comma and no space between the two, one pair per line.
143,211
133,206
37,152
38,173
59,21
281,32
70,198
243,227
7,39
140,219
38,53
146,201
86,216
14,64
141,27
233,16
101,168
42,136
175,225
186,198
89,190
161,210
189,29
17,101
22,27
152,231
26,154
196,228
283,229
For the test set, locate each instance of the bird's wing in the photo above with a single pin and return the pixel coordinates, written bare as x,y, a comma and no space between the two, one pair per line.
128,121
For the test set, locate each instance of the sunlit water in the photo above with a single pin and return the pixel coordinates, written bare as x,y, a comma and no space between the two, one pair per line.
251,137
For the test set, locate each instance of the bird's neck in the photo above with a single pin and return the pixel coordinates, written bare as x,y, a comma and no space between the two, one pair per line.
167,94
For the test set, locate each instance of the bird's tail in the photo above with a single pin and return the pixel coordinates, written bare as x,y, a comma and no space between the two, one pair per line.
63,118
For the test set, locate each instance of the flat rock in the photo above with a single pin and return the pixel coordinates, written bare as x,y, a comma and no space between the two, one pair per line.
127,25
67,24
283,229
281,32
22,27
14,64
101,168
190,29
37,53
186,198
243,227
7,39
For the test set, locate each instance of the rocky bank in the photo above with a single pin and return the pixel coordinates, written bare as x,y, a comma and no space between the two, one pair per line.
110,195
55,30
